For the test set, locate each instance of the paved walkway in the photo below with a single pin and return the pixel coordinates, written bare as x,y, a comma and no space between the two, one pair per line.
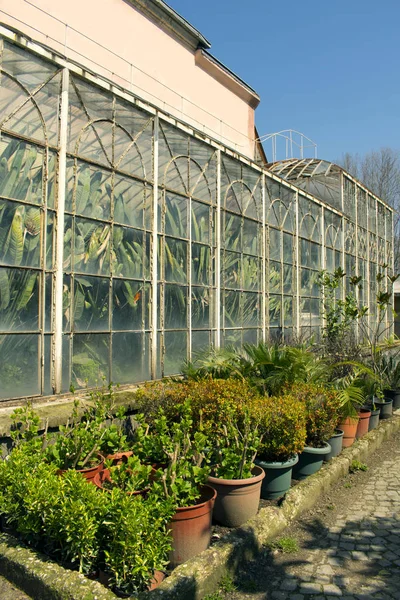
350,550
10,592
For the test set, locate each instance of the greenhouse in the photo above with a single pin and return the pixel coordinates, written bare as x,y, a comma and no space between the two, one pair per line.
130,240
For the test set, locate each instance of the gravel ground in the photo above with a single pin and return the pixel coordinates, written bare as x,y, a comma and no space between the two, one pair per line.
8,591
348,546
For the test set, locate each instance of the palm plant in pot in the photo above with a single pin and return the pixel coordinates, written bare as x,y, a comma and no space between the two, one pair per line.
389,367
351,393
283,430
322,412
182,481
235,477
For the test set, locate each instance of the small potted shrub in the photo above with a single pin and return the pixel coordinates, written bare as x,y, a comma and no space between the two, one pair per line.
283,430
182,481
235,477
130,475
322,412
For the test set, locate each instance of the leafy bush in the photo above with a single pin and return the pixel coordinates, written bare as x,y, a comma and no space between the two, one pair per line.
130,476
322,411
282,425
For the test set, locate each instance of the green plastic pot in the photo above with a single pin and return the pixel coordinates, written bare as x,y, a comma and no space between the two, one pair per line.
278,477
310,461
386,408
336,444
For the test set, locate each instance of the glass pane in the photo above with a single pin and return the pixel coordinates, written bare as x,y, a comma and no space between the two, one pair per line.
67,317
274,277
175,343
92,192
288,248
66,363
175,311
67,243
130,357
90,359
200,305
251,309
92,247
48,303
231,309
175,260
47,365
232,238
176,216
288,311
305,281
51,182
251,273
251,336
19,234
49,240
21,170
200,264
288,274
91,302
275,303
19,300
200,222
129,201
305,253
130,304
274,244
231,270
250,237
19,365
129,255
200,341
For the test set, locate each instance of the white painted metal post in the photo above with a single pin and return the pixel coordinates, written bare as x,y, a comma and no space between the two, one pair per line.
218,256
264,259
154,250
297,268
59,258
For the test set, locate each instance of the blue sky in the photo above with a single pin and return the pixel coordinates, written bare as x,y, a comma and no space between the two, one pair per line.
328,69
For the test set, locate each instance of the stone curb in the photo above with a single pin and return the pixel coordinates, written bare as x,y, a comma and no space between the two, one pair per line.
45,580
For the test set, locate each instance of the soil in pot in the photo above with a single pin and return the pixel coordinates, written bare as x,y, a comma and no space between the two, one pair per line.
278,477
374,419
336,444
386,408
191,528
310,461
349,428
364,416
237,499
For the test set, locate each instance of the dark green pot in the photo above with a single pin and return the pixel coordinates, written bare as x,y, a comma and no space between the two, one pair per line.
310,461
374,419
278,477
336,444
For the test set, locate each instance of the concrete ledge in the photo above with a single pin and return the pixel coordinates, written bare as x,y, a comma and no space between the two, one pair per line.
45,580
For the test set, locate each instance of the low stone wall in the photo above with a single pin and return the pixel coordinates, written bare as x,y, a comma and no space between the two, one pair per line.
43,579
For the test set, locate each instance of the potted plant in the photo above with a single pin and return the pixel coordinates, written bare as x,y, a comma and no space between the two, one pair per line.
389,367
235,477
129,475
322,411
182,481
351,394
283,429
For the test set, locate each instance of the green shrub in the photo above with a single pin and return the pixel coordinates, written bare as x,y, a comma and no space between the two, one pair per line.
282,425
323,407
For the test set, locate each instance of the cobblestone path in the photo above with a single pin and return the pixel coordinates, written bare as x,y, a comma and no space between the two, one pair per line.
350,549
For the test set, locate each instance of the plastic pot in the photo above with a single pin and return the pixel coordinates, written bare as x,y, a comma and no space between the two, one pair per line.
336,444
349,428
393,395
90,473
386,408
374,419
278,477
237,499
310,461
364,416
191,528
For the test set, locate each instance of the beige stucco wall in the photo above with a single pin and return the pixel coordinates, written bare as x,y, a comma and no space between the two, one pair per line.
113,39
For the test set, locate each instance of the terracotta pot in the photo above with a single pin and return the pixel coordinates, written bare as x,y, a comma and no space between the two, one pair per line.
104,475
191,528
237,499
349,427
158,577
90,473
119,457
364,416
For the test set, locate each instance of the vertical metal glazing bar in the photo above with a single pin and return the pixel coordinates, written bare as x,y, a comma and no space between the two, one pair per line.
367,296
297,268
343,237
357,293
154,249
59,259
264,259
189,271
218,257
323,267
391,264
